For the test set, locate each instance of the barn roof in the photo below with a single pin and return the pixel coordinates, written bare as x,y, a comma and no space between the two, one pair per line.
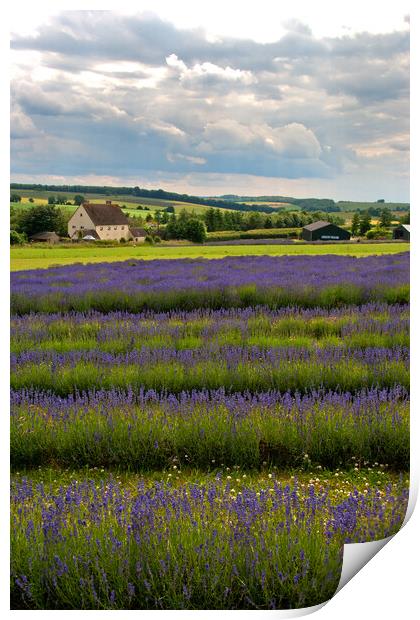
105,214
317,225
138,232
45,235
405,226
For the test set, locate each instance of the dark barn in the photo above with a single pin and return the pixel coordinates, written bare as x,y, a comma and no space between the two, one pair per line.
324,231
402,232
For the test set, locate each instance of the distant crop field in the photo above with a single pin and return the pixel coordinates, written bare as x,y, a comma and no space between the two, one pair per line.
131,202
280,205
353,206
43,257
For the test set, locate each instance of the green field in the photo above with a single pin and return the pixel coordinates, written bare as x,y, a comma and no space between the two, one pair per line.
43,257
131,202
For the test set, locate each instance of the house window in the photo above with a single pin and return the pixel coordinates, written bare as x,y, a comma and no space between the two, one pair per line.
73,226
101,228
115,228
82,227
81,214
122,227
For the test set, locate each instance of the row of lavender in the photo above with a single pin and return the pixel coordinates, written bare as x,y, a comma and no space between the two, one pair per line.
305,281
150,431
189,547
119,332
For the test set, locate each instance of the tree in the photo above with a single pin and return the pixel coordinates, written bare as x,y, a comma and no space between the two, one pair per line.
149,217
42,218
195,230
405,219
355,224
381,200
51,200
365,223
30,199
378,233
15,198
386,218
79,199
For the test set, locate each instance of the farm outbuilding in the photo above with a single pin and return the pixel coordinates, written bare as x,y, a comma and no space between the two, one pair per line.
402,232
324,231
138,234
45,237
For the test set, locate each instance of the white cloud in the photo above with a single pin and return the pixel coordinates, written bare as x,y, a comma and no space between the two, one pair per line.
21,125
293,140
209,69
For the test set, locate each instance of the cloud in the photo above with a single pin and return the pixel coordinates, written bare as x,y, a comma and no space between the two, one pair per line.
208,71
21,125
114,95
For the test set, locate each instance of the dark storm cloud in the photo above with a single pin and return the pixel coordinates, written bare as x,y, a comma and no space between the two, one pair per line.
115,94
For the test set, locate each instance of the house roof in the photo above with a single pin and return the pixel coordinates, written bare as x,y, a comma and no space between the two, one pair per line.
317,225
105,214
138,232
406,226
45,235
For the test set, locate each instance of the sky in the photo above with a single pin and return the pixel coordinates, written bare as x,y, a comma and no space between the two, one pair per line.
214,98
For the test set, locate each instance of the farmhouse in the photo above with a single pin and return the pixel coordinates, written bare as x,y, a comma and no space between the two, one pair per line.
101,221
324,231
45,237
402,232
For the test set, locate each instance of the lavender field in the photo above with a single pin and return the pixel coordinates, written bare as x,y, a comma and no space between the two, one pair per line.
205,434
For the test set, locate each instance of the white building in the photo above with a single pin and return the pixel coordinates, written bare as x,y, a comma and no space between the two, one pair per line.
104,222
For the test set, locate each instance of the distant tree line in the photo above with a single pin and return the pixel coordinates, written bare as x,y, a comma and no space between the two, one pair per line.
307,204
237,204
216,219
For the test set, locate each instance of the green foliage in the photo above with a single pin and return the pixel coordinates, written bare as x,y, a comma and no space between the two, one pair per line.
365,223
42,218
185,226
15,198
378,233
79,199
386,218
17,238
195,230
218,220
355,224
